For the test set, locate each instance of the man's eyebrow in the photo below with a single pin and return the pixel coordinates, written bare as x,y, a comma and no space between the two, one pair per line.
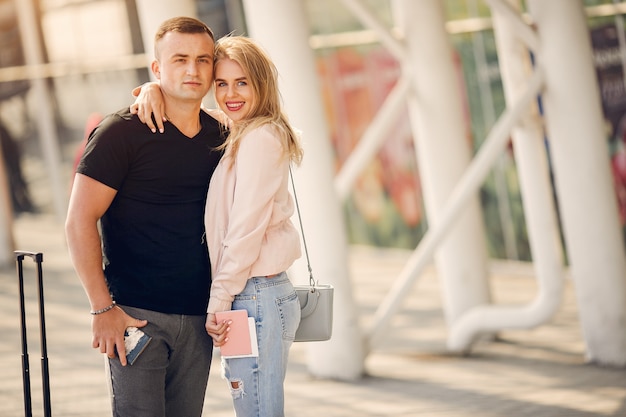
181,55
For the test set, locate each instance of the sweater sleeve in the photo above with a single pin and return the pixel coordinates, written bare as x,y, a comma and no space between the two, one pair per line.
259,172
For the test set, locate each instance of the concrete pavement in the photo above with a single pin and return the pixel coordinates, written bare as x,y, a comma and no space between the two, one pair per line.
538,373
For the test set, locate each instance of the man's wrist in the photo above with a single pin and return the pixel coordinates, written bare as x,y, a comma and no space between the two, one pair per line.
102,310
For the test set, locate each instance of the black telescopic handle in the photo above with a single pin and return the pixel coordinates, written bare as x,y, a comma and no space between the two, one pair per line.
45,371
28,410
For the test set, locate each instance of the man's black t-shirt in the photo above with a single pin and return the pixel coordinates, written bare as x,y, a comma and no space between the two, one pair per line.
155,253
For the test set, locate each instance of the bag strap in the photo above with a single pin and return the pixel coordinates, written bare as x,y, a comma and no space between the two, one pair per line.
306,251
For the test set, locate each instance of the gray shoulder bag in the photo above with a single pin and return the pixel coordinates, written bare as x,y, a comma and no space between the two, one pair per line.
316,300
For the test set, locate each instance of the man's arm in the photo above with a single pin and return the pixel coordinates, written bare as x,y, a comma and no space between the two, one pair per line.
88,202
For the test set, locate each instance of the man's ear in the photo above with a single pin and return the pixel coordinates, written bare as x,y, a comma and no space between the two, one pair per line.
156,69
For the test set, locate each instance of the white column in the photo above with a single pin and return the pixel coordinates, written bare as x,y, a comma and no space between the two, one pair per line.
7,245
536,189
580,160
44,119
443,153
281,27
533,171
154,12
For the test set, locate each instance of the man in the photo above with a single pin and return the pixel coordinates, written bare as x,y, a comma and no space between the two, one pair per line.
149,194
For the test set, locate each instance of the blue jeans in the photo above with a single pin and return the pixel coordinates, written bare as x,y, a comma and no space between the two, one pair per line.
256,384
170,376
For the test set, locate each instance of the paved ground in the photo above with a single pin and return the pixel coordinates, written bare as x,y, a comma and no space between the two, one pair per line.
538,373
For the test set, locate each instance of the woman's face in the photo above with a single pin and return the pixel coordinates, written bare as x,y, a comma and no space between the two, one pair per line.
233,92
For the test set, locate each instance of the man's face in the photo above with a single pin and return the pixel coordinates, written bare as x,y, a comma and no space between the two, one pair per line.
184,65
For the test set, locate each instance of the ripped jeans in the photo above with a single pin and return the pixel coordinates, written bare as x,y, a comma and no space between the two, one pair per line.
256,384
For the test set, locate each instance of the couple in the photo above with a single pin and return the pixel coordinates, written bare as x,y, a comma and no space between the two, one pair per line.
151,268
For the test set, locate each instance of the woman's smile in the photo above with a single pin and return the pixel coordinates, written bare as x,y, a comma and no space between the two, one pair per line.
233,92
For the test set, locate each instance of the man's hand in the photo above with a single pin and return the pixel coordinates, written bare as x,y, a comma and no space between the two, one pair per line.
108,332
149,102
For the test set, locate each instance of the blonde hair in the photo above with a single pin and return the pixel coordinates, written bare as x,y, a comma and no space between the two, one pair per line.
262,76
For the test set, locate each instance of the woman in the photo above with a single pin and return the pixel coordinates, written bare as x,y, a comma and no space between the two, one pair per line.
251,239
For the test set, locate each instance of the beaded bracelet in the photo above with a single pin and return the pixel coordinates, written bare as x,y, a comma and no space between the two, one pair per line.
102,310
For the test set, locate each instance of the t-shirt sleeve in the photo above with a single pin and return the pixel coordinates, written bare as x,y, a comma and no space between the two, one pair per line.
108,152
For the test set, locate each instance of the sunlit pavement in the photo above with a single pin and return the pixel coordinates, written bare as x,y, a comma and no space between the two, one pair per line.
538,373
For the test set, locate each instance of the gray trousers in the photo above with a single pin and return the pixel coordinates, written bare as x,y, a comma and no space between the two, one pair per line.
170,376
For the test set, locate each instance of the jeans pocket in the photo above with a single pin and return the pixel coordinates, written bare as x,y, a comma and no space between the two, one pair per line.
289,313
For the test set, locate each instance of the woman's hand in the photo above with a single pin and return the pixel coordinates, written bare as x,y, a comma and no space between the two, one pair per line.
218,331
149,102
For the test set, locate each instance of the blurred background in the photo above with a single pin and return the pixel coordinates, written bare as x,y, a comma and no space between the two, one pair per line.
92,55
64,64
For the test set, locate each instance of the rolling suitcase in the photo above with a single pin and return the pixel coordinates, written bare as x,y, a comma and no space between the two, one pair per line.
45,375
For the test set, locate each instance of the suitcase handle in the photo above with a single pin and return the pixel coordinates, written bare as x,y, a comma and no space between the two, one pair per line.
37,256
45,372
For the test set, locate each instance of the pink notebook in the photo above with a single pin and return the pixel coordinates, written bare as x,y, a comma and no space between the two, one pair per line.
242,341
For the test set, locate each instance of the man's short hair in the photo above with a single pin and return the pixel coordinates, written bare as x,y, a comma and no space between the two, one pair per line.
181,24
